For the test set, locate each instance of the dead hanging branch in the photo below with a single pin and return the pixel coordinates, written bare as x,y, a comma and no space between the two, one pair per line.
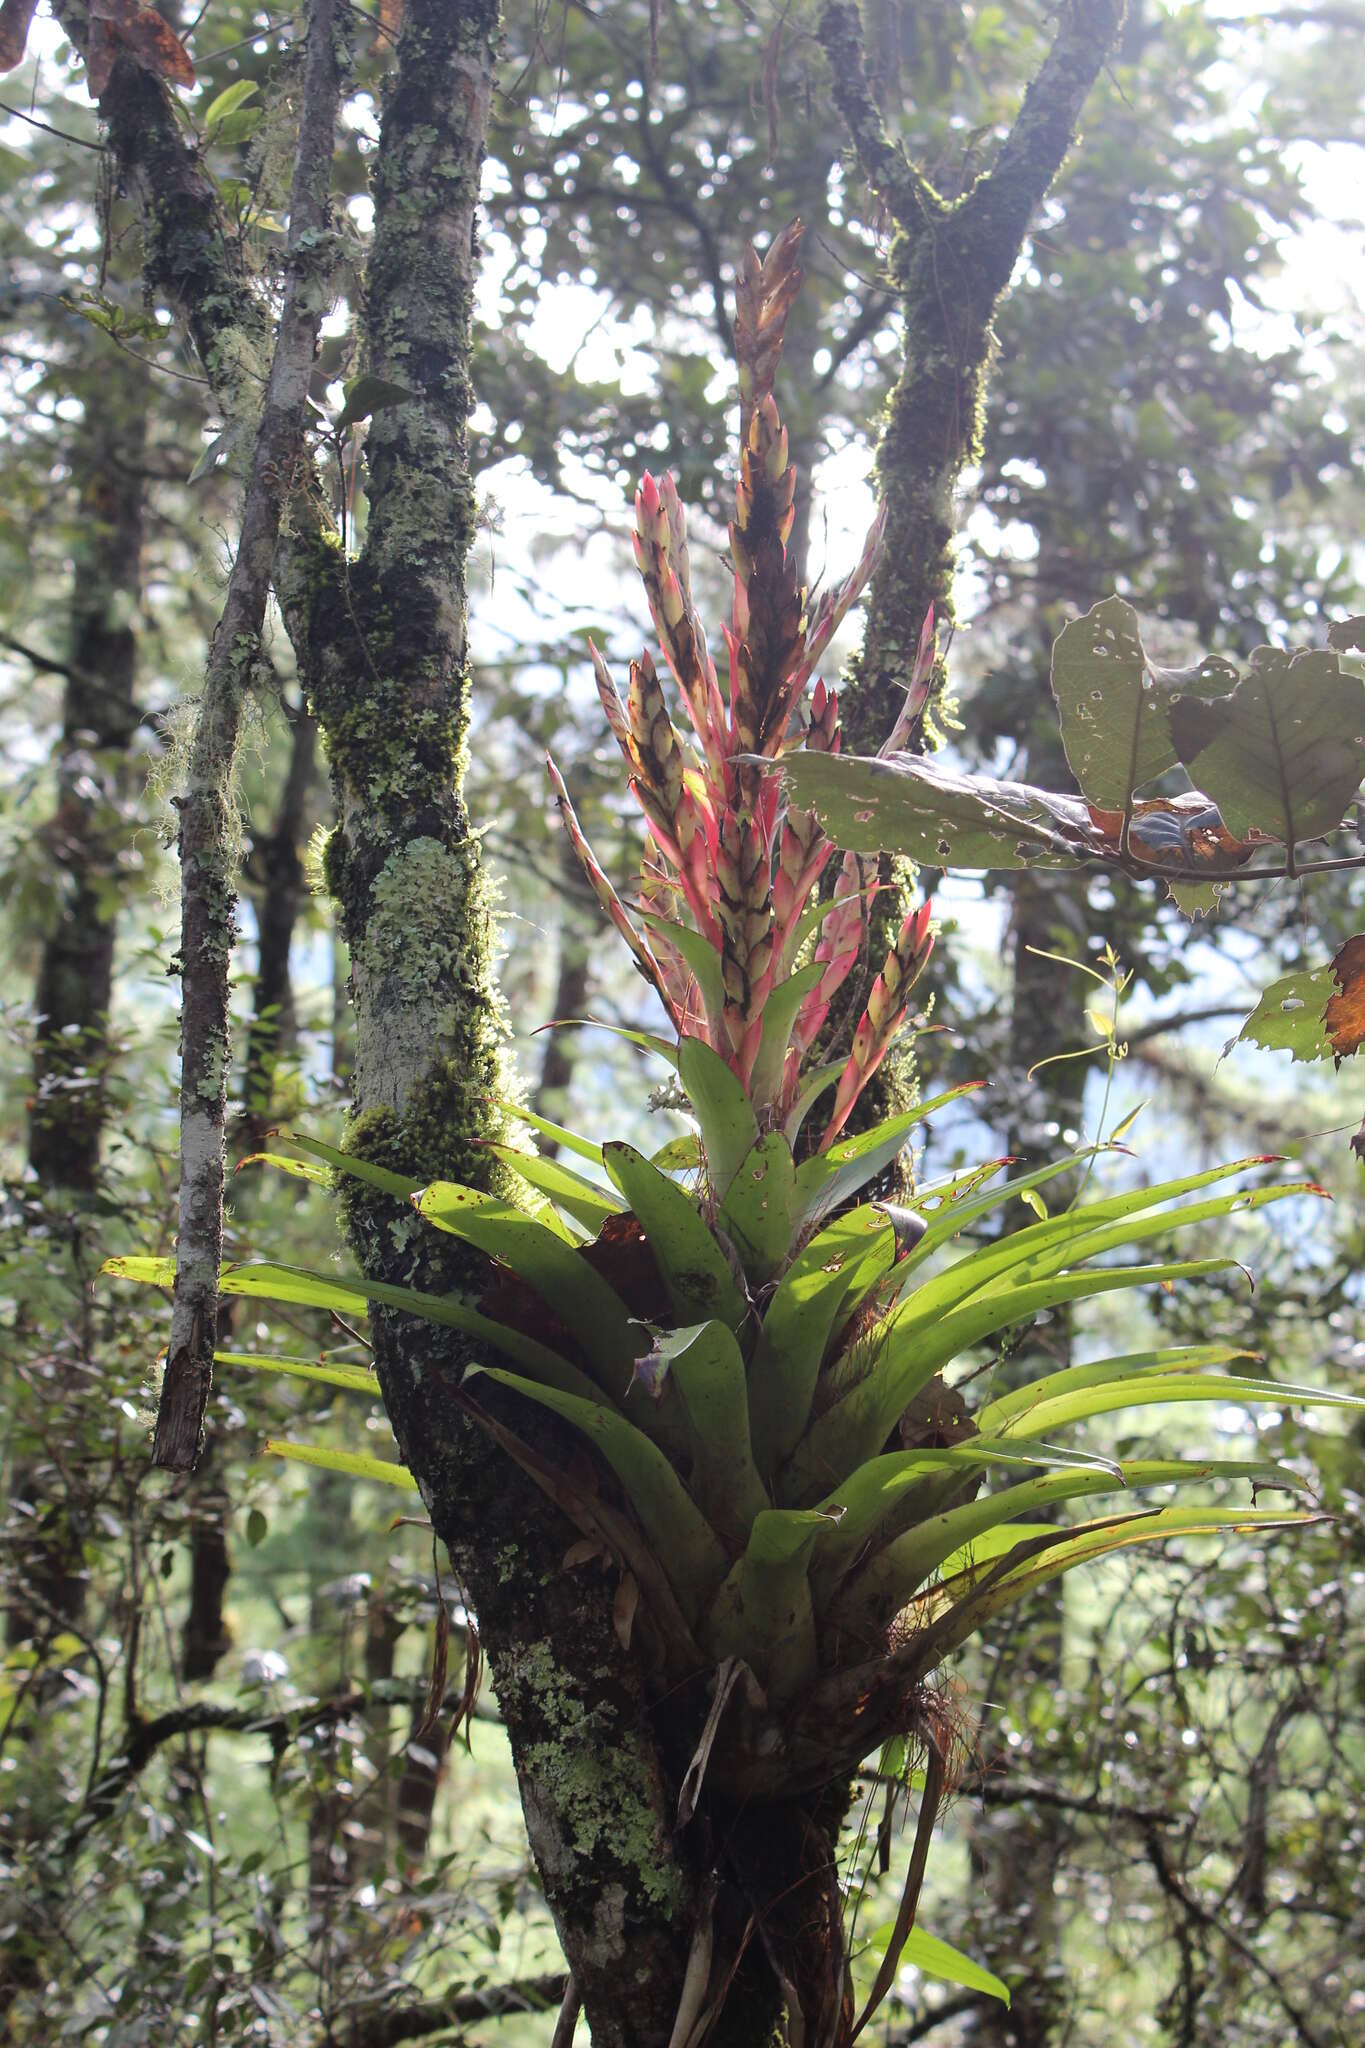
207,859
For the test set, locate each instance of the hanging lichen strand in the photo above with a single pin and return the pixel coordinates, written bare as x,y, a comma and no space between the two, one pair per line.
721,842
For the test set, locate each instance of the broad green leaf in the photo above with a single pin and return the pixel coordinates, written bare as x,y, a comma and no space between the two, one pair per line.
724,1112
707,1367
1112,702
1285,753
354,1464
939,1959
683,1541
763,1611
779,1015
589,1308
1289,1016
352,1377
227,102
679,1155
695,1271
353,1298
935,815
370,394
572,1192
822,1284
1008,1408
832,1178
758,1211
235,129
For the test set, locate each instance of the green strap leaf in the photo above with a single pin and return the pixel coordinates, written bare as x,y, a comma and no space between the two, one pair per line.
354,1464
936,1958
572,1192
589,1308
823,1284
729,1130
996,1414
980,1603
700,955
695,1271
888,1580
763,1611
353,1298
353,1377
1155,1389
359,1169
779,1015
570,1140
871,1496
856,1427
681,1538
298,1169
832,1178
707,1367
757,1213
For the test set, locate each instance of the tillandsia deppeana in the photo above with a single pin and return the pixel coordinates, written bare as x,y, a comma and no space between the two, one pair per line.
724,848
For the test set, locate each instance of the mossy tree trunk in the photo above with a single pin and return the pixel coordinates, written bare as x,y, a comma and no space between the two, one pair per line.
950,263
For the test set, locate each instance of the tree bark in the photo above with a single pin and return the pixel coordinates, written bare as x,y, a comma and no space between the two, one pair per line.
950,263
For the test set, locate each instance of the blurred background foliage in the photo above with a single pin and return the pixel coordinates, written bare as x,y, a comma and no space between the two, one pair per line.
238,1798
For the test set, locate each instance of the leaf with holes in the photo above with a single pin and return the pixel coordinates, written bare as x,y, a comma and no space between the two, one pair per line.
1285,752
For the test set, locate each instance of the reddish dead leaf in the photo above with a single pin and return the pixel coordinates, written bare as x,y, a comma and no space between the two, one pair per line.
126,25
1344,1015
15,17
391,17
621,1254
157,48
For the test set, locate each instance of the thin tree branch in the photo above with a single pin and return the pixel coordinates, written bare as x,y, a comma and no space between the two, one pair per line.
208,892
391,2025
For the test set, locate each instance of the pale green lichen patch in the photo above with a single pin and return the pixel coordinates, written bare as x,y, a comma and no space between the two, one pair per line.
584,1789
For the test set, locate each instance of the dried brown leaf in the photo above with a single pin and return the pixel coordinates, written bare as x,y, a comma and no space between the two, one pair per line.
1344,1015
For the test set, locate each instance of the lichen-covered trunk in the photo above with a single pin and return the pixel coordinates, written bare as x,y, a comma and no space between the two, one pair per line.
390,687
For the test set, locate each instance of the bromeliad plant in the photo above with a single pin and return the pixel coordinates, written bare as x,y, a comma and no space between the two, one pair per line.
759,1351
